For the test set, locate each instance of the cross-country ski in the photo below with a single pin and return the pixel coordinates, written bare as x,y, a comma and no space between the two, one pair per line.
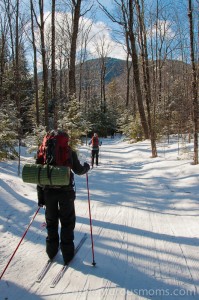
45,269
64,268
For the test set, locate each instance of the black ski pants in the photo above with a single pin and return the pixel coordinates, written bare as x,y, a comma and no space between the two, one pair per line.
60,207
94,155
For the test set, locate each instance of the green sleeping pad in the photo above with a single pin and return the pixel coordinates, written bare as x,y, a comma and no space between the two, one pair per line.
46,174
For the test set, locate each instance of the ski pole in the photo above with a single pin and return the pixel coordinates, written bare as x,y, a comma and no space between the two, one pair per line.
92,243
19,243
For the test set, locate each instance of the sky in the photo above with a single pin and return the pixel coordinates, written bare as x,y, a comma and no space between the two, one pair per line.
145,216
101,32
172,17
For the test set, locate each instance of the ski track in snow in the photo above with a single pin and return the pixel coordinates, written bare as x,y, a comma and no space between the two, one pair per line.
145,221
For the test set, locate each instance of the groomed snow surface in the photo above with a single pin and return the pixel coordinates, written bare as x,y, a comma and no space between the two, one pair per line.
145,222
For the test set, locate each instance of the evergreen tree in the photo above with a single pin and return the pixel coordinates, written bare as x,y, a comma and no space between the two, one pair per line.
34,140
73,122
102,122
24,90
8,137
131,126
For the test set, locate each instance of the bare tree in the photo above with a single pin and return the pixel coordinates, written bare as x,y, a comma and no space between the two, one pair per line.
44,61
36,87
17,80
194,81
76,14
103,49
146,76
85,31
63,38
53,67
3,52
127,22
75,26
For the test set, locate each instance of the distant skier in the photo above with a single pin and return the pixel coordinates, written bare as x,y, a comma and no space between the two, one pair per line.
95,143
112,133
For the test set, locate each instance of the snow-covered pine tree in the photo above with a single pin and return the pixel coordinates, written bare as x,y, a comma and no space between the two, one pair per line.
102,122
131,126
8,136
74,122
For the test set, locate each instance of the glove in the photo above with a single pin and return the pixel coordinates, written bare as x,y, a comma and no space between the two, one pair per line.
86,167
40,196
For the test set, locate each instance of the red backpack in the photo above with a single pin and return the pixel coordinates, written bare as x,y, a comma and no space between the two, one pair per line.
55,150
95,141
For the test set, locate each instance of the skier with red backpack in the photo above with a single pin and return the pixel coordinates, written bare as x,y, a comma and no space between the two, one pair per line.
95,143
59,200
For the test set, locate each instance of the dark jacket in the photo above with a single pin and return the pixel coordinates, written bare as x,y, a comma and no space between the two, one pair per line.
76,166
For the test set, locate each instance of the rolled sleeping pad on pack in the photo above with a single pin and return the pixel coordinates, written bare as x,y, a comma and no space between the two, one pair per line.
46,174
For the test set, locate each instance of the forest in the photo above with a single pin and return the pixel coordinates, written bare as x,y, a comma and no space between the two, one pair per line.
59,69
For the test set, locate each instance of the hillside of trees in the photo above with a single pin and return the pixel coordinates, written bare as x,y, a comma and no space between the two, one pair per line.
49,78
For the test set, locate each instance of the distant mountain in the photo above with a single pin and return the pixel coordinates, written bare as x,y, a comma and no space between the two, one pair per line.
114,67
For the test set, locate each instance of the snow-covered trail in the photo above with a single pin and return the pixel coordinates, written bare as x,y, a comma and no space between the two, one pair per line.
145,228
